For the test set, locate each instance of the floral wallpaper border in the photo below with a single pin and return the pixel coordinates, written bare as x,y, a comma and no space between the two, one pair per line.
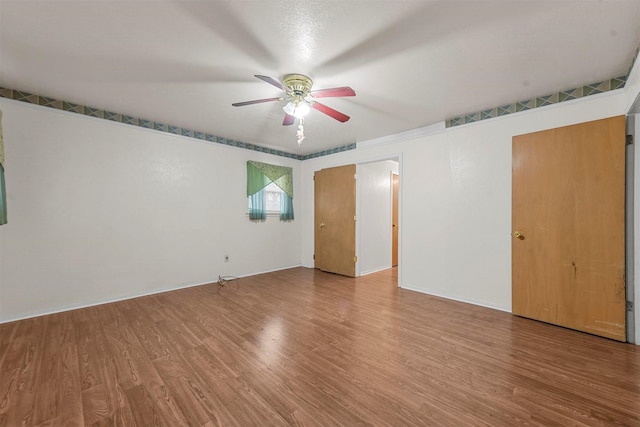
541,101
30,98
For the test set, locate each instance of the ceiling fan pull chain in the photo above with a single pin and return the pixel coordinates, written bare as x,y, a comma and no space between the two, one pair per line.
300,132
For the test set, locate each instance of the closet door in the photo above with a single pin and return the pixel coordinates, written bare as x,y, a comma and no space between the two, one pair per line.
568,265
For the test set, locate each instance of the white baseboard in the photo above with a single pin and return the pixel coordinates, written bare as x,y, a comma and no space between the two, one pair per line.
127,297
364,273
457,298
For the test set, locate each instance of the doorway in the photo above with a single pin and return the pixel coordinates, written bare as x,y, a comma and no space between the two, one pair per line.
378,247
376,222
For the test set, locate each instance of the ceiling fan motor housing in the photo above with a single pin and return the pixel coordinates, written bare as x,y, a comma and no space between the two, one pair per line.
298,84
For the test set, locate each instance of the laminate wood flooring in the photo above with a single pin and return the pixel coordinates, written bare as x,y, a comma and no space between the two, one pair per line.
306,348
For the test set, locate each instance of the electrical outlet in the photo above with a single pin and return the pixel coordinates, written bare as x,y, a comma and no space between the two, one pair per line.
226,258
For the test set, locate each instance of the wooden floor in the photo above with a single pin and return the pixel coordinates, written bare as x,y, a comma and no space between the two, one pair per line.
302,347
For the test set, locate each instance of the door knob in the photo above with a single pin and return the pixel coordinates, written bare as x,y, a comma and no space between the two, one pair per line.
518,235
322,225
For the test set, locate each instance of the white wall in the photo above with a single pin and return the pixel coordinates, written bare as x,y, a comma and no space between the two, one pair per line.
456,199
374,215
100,211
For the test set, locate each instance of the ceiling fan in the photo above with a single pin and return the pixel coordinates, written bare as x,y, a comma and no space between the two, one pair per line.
297,89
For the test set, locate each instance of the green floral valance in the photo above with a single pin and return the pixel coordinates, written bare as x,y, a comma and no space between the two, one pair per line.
259,175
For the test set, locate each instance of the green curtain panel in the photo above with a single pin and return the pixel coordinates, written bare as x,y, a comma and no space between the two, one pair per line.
257,211
3,190
3,199
259,175
286,207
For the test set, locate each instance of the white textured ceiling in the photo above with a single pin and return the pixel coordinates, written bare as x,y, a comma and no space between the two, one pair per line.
411,63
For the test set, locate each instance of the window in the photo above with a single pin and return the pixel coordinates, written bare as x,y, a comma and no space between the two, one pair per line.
272,198
269,190
272,195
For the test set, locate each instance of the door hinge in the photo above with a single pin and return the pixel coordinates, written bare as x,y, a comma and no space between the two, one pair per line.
629,139
354,218
355,176
355,259
629,305
314,256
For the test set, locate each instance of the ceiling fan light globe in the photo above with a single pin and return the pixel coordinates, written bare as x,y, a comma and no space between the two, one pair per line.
290,108
301,110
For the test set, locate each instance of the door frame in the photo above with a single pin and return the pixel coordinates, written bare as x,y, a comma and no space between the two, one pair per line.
397,157
633,336
395,192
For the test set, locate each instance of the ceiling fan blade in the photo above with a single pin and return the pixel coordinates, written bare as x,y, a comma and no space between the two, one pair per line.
288,120
333,92
271,81
255,101
330,112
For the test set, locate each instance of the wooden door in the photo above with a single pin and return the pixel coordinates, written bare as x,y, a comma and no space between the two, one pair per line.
335,215
394,222
568,251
